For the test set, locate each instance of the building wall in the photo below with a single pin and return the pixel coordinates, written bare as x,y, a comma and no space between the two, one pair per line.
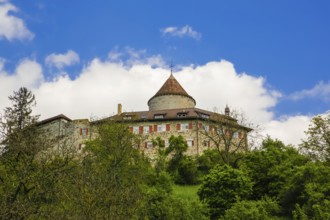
170,102
193,131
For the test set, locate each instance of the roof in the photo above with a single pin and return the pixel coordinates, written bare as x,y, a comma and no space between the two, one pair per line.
174,114
171,87
57,117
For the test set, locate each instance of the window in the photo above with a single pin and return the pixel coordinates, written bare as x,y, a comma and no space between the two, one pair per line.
135,129
167,143
84,131
181,114
236,135
127,117
206,143
146,129
143,116
184,127
149,144
190,142
81,146
158,116
161,128
204,115
206,128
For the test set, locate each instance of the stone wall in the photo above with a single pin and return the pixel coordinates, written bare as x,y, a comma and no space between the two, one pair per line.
170,102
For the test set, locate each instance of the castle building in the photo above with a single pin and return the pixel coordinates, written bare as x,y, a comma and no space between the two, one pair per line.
171,111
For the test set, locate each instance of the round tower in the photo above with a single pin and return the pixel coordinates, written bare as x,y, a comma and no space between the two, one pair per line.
171,96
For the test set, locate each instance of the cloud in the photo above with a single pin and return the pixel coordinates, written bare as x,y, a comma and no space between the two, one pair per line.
28,73
185,31
12,27
289,129
102,84
62,60
130,56
320,90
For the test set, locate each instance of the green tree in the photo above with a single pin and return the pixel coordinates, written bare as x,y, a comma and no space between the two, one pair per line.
112,180
27,174
317,144
271,166
266,208
308,192
182,168
223,187
19,115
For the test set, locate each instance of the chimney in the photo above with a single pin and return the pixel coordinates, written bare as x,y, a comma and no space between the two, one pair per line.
120,108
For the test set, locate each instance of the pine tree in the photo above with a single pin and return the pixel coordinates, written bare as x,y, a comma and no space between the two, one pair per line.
19,115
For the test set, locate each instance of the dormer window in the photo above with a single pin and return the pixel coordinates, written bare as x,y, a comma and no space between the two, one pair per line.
127,117
159,116
204,115
181,115
143,116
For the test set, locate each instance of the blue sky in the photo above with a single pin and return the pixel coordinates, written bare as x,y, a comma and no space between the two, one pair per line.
285,44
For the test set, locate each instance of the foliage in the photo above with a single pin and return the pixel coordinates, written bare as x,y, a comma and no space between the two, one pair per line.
28,174
222,188
182,168
110,183
19,115
317,144
266,208
229,135
308,192
271,166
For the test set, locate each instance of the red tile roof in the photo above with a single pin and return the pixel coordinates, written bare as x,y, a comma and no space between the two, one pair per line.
171,87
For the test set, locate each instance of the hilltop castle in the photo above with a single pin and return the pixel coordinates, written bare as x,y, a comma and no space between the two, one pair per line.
171,111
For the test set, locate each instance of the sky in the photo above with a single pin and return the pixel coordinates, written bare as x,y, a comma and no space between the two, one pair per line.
266,59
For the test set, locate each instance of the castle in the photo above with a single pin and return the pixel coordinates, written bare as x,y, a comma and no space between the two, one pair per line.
171,111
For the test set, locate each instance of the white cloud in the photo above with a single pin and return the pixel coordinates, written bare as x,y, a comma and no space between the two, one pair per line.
101,85
289,129
185,31
28,73
62,60
320,90
12,27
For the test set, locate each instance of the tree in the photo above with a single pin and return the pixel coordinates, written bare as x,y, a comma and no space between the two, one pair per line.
112,178
266,208
27,175
307,193
317,144
271,166
19,116
222,188
228,133
182,168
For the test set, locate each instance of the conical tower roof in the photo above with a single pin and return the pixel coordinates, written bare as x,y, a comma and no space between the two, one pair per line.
172,87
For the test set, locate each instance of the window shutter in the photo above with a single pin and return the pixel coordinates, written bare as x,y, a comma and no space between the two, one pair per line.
155,128
141,130
192,143
190,126
150,128
86,131
80,131
168,127
130,129
145,144
79,148
199,125
240,135
178,127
